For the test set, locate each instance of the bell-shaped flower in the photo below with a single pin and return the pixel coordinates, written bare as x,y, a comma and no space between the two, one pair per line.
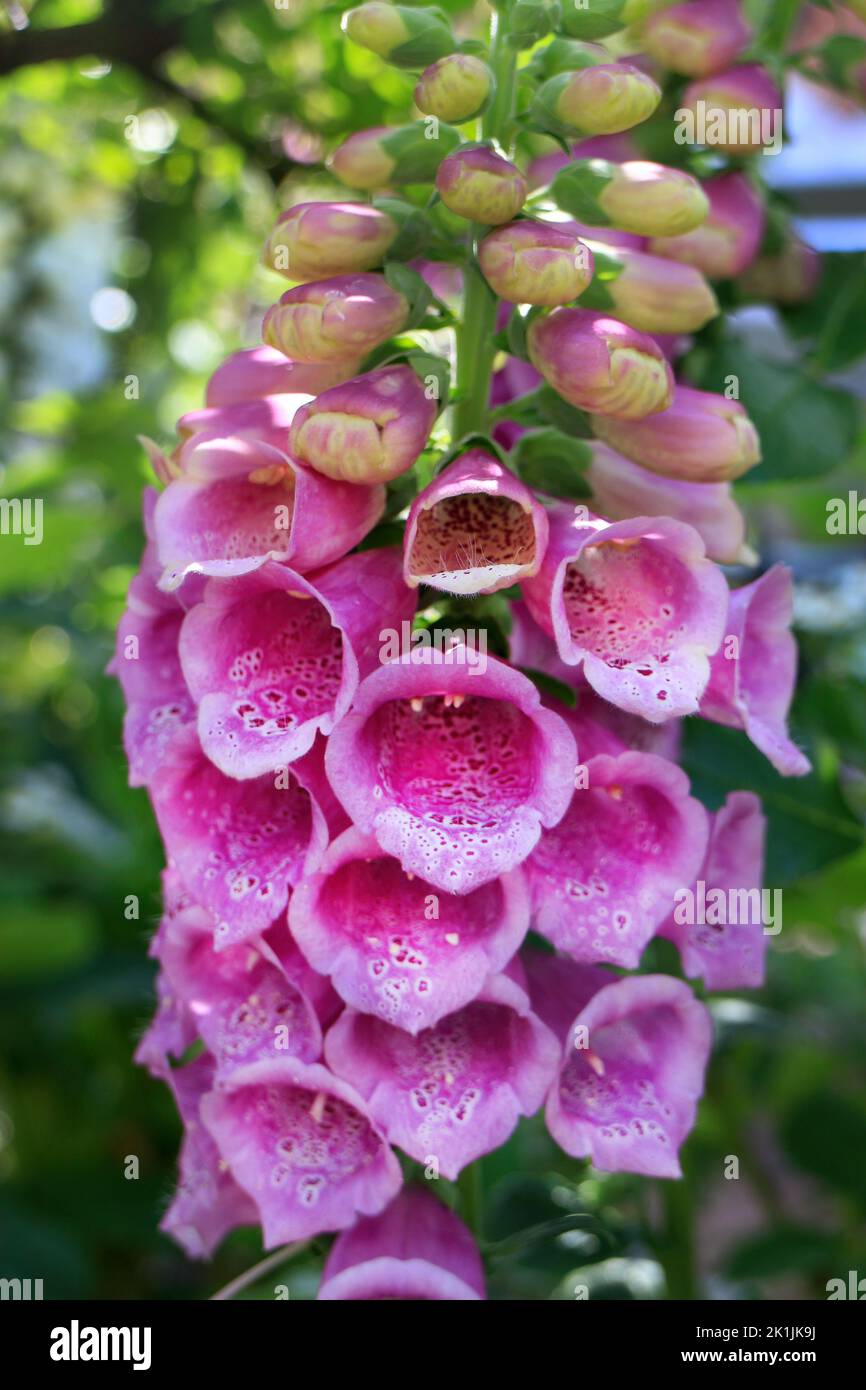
603,879
717,922
455,1091
636,604
754,672
634,1053
303,1145
396,947
273,657
475,529
417,1249
255,373
238,846
239,502
450,761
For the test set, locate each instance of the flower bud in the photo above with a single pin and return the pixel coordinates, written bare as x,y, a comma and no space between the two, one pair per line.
384,155
697,38
789,277
406,37
312,240
735,111
535,263
651,293
456,88
367,430
600,17
637,196
701,438
330,320
599,364
728,240
478,184
599,100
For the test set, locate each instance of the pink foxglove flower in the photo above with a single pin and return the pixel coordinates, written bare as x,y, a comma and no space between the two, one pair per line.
416,1249
697,39
701,438
475,529
239,502
303,1145
728,241
394,946
454,1091
479,184
238,846
634,1052
255,373
754,672
636,604
735,94
314,240
272,658
728,954
603,879
450,761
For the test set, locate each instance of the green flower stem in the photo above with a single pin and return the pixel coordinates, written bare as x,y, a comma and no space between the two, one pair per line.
475,350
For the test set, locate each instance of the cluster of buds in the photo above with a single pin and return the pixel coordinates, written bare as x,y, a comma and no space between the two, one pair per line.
364,822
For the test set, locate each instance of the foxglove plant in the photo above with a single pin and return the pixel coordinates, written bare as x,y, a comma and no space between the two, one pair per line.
410,857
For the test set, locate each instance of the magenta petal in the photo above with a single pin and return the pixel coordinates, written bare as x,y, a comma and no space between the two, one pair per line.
633,1065
240,501
603,879
752,681
622,489
303,1145
168,1035
147,666
259,372
454,1091
243,1004
395,947
415,1249
270,657
208,1202
239,846
453,765
728,954
636,603
475,529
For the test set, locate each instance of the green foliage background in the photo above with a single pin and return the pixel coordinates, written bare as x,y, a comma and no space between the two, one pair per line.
180,227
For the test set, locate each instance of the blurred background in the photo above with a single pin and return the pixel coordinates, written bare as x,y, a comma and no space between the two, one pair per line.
146,148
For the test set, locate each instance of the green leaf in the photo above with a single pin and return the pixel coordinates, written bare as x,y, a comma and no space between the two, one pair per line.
564,416
413,287
552,462
838,1162
834,319
549,685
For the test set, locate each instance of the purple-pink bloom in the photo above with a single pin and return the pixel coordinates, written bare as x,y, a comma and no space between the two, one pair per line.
393,945
273,657
731,236
239,502
603,879
753,674
636,604
258,372
238,846
207,1203
623,489
454,1091
727,954
303,1145
415,1249
475,529
450,761
634,1052
597,363
367,430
